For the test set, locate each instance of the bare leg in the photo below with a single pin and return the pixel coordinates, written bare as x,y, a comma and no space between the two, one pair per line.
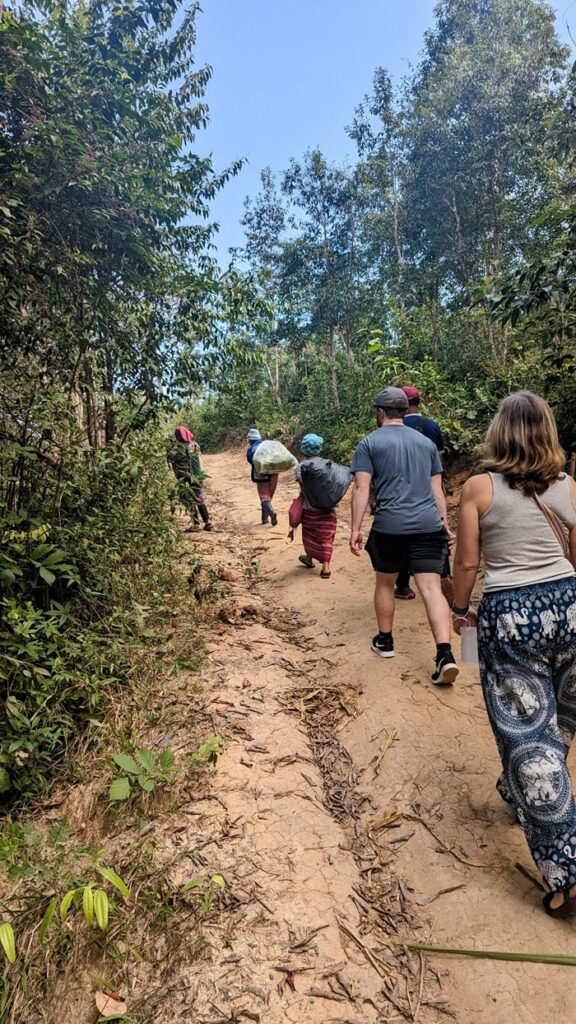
437,609
384,604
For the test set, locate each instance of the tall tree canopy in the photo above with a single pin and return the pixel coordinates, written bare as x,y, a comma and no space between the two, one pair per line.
393,264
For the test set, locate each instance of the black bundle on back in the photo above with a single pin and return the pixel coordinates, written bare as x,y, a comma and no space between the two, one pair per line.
324,483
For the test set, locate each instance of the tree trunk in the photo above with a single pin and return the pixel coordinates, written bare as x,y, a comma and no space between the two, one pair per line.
397,240
460,247
333,372
274,378
347,333
109,408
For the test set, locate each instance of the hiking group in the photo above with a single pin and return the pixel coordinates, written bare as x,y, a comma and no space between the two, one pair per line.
518,518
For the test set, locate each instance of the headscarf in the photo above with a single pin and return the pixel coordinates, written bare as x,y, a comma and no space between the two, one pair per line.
254,434
184,435
311,444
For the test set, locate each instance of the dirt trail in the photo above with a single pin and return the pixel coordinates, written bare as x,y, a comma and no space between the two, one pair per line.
426,753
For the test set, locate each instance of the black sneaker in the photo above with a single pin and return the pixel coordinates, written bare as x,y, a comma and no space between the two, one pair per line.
383,646
274,519
446,670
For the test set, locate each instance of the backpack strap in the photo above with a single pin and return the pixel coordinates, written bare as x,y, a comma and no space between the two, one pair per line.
556,525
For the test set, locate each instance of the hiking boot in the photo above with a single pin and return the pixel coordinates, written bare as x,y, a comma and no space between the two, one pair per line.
264,517
383,646
274,519
208,527
446,670
404,593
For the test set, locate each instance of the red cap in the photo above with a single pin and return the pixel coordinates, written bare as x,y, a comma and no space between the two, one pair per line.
411,393
184,435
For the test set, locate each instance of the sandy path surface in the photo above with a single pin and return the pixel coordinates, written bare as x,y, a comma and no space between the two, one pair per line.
437,769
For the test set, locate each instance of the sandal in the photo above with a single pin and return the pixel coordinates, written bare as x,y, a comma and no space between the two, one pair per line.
567,908
325,575
307,563
405,595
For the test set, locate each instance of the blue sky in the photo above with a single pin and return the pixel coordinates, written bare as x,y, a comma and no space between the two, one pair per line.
289,73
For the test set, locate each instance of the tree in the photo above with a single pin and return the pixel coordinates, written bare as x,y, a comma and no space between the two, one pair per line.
476,174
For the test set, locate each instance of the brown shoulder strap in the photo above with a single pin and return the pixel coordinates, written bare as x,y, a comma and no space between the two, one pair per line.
555,524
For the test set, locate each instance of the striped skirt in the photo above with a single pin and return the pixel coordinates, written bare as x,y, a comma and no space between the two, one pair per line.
318,533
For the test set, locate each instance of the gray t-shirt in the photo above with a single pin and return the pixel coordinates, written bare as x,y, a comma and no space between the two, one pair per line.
401,462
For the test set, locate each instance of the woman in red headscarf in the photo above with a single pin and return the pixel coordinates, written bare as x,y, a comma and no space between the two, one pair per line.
185,459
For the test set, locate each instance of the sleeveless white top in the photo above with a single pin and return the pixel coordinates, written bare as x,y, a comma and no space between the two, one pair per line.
519,546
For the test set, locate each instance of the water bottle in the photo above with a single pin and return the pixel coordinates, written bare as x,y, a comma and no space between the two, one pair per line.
469,645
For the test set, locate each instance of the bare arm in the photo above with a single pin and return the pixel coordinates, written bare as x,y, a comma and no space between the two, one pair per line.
572,534
360,498
440,499
467,558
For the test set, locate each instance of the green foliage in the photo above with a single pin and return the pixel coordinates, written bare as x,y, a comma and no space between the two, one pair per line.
64,643
146,770
93,901
208,753
109,299
8,941
204,890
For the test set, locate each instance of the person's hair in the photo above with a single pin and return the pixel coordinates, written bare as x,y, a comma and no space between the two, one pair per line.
393,414
522,443
414,401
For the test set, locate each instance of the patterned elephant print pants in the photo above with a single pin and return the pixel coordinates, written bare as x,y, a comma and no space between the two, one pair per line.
527,647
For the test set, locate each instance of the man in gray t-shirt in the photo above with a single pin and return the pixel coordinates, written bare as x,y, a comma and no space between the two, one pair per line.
409,523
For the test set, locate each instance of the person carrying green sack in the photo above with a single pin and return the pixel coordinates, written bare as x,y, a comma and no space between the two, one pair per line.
266,483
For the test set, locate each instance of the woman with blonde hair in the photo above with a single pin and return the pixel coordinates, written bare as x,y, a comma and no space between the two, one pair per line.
520,515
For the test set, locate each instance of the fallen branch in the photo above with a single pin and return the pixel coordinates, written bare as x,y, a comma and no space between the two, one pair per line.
558,959
376,964
441,892
531,878
449,849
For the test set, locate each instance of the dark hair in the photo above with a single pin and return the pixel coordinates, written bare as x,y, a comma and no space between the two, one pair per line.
522,443
414,401
392,413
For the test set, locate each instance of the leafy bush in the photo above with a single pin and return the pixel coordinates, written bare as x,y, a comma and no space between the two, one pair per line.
146,770
75,597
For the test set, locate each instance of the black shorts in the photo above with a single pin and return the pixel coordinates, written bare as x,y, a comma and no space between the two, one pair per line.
417,552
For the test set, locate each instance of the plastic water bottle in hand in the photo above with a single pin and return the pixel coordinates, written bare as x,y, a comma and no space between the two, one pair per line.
469,639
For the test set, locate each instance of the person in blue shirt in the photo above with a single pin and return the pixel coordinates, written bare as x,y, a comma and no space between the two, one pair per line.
266,484
433,431
423,424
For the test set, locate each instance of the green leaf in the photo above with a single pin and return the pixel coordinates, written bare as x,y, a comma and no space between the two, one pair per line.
101,907
146,784
110,875
119,789
5,781
47,576
193,884
8,941
47,920
147,759
219,881
67,902
167,761
88,903
126,763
